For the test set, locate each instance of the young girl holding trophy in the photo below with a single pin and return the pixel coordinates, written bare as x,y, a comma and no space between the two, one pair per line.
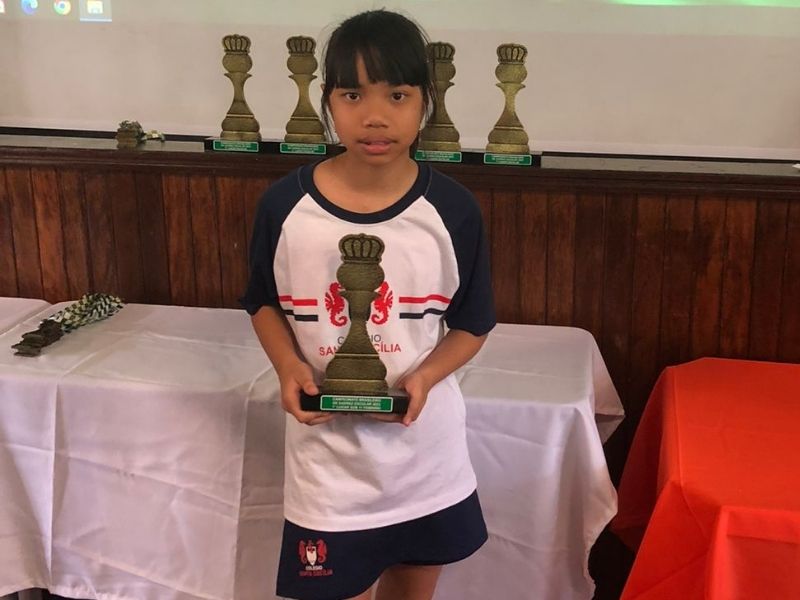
373,497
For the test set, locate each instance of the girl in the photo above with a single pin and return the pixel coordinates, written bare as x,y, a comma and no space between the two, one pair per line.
365,498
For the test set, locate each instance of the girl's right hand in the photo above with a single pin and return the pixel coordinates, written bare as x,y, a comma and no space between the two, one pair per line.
294,379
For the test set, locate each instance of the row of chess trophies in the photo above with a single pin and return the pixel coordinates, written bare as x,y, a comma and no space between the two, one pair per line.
439,140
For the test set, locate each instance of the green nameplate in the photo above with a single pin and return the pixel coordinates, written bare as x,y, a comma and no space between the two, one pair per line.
287,148
522,160
381,404
235,146
438,156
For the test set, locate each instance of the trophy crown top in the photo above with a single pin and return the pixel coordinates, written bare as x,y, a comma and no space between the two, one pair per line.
512,53
361,247
236,43
441,51
301,44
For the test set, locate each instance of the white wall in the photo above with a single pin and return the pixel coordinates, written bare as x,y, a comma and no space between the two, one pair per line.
690,81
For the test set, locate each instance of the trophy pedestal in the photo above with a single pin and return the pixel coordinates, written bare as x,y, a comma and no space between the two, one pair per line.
390,403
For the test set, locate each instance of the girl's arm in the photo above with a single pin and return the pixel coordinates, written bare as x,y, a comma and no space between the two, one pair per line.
455,349
294,374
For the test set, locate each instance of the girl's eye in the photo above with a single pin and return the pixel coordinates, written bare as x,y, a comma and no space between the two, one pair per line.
351,96
398,96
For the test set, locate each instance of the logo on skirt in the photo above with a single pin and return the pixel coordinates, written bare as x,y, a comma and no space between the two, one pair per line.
312,555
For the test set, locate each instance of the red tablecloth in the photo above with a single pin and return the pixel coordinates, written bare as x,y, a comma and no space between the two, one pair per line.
710,494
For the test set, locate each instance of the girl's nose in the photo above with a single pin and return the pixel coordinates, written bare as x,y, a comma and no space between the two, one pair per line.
374,115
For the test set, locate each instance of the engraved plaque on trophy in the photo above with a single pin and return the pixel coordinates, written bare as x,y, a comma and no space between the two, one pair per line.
355,378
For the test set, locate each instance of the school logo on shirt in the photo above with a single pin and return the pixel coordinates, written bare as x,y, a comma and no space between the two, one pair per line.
335,305
312,555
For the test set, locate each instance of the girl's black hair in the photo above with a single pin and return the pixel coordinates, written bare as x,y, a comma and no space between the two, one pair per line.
394,50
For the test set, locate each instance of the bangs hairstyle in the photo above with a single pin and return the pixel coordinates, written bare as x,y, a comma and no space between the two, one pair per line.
394,50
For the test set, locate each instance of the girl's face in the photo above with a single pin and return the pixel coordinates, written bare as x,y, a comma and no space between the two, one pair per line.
376,122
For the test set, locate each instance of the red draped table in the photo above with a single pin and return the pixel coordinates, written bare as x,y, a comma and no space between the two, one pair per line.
710,494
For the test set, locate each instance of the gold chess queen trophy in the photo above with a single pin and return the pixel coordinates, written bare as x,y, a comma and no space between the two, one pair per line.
355,379
304,126
439,134
239,124
508,135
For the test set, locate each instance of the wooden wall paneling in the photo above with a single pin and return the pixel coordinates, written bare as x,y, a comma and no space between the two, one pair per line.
100,226
505,255
233,235
589,262
561,208
533,255
789,342
205,235
734,325
709,249
620,235
180,243
76,233
127,236
153,238
253,191
8,267
646,294
678,283
768,267
25,235
49,225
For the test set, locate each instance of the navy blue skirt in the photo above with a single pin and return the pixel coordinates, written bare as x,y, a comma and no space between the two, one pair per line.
333,565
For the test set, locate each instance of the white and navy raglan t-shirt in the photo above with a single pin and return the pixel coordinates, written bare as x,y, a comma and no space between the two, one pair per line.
355,472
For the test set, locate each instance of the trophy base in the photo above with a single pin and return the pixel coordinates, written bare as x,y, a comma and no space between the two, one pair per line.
390,403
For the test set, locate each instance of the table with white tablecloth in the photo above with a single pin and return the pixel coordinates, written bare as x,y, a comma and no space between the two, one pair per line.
141,458
15,310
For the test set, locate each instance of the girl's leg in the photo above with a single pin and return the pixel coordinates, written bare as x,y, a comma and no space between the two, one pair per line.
362,596
408,582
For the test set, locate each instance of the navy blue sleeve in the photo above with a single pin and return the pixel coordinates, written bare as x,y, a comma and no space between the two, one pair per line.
273,208
472,307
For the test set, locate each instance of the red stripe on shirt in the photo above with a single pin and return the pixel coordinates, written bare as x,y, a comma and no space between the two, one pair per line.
298,301
423,299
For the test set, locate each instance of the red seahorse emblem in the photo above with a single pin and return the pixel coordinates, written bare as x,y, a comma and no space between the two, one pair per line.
382,304
334,304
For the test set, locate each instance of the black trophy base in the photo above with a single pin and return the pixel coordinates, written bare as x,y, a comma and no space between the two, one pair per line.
391,403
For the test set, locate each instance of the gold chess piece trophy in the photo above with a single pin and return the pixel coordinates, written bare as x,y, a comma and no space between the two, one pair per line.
508,135
355,378
356,366
304,126
239,124
439,133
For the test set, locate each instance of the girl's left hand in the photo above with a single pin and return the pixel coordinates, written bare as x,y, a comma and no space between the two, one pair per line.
417,387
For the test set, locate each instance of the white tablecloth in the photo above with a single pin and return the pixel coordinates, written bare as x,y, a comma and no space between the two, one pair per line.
142,458
15,310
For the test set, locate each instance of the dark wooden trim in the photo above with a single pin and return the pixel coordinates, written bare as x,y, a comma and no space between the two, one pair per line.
558,173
